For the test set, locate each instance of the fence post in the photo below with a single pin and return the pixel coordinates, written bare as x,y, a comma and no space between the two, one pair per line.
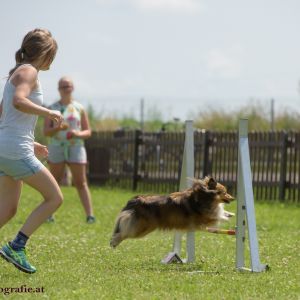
206,163
283,165
137,142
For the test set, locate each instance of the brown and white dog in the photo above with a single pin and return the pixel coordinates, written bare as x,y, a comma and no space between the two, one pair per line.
189,210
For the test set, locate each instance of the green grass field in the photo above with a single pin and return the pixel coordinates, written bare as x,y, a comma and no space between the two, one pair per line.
74,260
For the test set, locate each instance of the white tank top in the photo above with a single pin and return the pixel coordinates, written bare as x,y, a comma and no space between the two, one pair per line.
16,127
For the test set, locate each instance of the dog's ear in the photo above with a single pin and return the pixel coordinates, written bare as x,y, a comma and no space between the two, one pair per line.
202,193
212,184
206,179
198,185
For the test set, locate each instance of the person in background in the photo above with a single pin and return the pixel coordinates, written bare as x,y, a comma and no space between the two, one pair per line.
19,109
66,144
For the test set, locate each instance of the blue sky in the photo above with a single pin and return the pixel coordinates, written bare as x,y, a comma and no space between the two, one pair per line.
181,56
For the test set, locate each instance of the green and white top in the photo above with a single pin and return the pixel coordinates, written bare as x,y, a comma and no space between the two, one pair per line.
72,116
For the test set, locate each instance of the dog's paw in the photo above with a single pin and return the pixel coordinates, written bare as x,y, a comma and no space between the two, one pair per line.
228,214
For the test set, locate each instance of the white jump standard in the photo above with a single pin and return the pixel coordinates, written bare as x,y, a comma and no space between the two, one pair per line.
187,171
245,205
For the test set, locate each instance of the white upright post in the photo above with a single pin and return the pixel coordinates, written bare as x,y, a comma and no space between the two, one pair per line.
245,206
187,171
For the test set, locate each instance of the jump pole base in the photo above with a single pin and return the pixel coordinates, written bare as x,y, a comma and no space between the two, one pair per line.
172,257
262,268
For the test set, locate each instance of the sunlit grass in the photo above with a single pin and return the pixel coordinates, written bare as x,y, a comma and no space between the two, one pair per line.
74,260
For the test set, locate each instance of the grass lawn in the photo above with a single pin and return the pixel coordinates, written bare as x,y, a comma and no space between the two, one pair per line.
74,260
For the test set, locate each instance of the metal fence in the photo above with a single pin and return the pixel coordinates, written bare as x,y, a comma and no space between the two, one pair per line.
152,161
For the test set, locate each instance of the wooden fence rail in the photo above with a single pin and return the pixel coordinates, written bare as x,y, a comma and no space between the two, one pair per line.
152,161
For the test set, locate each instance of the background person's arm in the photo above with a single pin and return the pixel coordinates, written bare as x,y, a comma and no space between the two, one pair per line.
85,131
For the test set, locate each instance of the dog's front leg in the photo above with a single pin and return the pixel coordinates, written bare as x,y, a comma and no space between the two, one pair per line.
228,214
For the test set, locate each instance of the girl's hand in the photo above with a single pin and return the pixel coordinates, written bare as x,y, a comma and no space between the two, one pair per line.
40,150
73,133
55,116
62,126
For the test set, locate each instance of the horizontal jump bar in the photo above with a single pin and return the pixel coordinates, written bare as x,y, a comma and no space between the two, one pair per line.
220,231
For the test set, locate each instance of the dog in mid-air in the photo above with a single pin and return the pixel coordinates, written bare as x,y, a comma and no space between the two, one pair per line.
192,209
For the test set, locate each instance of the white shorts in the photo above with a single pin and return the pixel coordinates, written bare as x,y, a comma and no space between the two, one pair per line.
70,154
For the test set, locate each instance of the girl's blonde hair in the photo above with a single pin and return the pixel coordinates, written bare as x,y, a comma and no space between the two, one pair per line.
37,45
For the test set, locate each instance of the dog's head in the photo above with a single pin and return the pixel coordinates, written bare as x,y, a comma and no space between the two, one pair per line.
221,190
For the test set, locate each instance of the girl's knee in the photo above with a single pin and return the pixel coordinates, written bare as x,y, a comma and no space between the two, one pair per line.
60,199
57,199
12,211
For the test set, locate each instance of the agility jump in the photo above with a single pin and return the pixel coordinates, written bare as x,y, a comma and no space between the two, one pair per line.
245,206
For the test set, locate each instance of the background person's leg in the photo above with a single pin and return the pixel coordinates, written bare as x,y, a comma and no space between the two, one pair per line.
57,170
80,181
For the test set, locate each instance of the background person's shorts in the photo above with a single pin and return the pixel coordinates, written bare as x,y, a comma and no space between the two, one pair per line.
20,168
69,154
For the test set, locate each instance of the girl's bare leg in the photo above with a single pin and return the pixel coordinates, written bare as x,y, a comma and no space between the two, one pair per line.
46,184
10,191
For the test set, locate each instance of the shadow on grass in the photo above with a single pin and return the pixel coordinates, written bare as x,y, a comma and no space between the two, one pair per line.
191,268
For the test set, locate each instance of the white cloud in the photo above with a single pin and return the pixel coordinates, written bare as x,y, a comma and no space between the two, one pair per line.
224,63
177,6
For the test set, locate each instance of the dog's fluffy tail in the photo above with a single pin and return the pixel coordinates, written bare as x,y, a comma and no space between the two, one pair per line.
122,228
117,226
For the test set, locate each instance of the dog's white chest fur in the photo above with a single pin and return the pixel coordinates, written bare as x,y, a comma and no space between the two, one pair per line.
220,212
